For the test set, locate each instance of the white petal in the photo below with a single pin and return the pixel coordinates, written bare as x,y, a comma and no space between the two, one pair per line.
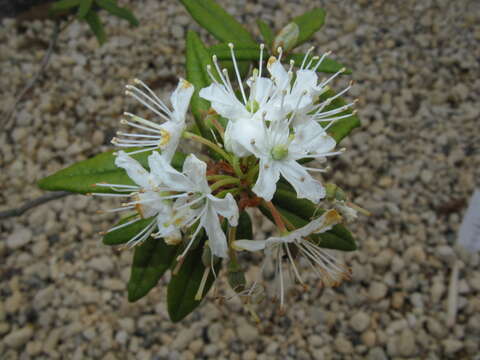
311,137
267,179
169,145
196,171
249,245
246,136
166,174
151,203
180,99
135,171
278,72
224,102
216,237
227,207
263,89
304,184
232,137
306,80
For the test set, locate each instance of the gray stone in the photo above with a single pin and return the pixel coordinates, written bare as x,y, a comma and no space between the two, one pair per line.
406,343
360,321
19,238
377,291
18,338
247,333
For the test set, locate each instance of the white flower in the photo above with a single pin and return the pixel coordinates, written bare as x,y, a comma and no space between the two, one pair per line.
279,148
330,270
165,136
271,99
196,203
148,198
278,122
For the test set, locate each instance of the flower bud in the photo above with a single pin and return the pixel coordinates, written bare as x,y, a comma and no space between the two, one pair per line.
287,37
334,192
207,256
236,277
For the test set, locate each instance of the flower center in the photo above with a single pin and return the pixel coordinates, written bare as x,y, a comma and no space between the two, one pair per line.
165,137
279,152
252,106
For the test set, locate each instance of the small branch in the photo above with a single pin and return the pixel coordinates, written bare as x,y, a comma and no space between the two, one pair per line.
43,66
33,203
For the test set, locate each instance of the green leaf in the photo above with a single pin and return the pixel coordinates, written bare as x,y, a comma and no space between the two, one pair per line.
242,52
184,285
64,5
217,21
150,261
84,8
327,66
308,24
342,127
244,228
124,234
267,32
121,12
81,176
197,60
96,26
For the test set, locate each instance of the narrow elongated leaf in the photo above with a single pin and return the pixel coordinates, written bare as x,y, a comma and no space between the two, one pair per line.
81,176
121,12
84,8
184,285
327,65
308,24
267,32
217,21
342,127
150,261
198,58
244,228
96,26
122,235
242,52
64,5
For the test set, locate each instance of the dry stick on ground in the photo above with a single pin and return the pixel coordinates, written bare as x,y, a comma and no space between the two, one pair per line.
33,203
43,66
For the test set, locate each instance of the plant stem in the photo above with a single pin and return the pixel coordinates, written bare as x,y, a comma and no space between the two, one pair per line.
219,177
236,166
252,172
211,145
277,217
220,183
224,193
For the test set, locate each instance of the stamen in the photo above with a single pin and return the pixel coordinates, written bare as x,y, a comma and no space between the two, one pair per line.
121,133
342,70
306,57
122,225
160,102
237,72
262,46
319,62
144,103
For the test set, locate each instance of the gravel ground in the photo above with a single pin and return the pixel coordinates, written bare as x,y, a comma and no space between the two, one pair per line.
414,164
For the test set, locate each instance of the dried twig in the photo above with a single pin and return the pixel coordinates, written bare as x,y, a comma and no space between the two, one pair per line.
33,203
43,66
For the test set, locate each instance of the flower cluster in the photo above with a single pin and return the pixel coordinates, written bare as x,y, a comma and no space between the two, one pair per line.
275,124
